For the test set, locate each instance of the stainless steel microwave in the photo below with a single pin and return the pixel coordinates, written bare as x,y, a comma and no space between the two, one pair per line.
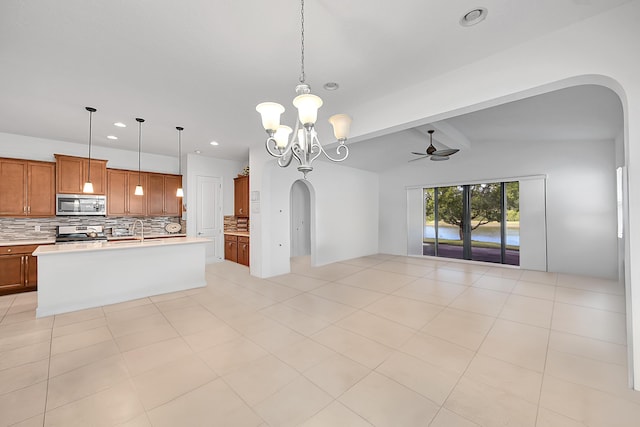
81,204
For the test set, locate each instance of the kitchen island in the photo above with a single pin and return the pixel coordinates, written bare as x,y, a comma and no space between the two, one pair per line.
76,276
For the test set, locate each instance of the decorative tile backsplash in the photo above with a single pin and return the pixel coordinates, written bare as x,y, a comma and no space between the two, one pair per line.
24,228
233,223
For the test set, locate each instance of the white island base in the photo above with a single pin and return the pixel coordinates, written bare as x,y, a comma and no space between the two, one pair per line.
78,276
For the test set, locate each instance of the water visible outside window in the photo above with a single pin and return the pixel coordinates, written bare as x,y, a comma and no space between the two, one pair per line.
453,230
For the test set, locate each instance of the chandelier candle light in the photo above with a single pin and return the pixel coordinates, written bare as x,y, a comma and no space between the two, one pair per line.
304,144
139,191
179,192
88,186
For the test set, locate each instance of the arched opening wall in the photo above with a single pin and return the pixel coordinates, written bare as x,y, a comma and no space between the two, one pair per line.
599,50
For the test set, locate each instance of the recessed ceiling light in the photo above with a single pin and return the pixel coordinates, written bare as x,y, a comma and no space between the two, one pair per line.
120,125
112,137
198,151
214,143
473,17
331,86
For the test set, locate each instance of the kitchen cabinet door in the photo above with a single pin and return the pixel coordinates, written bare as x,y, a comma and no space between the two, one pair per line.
231,248
172,203
155,195
243,250
13,184
69,174
117,192
11,273
41,190
98,175
136,205
241,196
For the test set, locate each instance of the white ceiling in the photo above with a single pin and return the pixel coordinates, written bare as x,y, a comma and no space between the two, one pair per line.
581,113
205,64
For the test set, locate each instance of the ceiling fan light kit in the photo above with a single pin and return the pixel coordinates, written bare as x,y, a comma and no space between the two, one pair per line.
433,153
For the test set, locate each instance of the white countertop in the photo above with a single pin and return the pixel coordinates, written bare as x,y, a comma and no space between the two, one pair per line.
150,236
237,233
27,242
116,245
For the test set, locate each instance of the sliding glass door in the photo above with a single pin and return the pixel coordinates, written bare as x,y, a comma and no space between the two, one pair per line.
477,222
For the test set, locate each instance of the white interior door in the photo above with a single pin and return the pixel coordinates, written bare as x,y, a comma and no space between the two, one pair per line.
300,220
209,215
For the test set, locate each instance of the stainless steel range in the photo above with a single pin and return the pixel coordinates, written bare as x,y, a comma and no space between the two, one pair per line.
79,233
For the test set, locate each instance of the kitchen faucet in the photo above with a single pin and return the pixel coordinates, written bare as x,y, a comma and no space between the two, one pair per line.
133,229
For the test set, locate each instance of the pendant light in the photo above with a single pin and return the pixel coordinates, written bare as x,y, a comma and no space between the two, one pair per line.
139,191
88,186
179,192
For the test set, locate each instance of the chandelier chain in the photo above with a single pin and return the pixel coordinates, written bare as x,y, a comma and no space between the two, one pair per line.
302,77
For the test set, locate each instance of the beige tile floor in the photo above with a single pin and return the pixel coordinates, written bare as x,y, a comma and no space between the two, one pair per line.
379,340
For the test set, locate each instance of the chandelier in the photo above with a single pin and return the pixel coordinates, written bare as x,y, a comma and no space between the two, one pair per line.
304,144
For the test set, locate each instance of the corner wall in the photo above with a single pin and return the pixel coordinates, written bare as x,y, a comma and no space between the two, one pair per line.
346,215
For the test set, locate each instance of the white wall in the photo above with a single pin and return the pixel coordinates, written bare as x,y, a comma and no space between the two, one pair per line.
195,165
344,214
26,147
581,198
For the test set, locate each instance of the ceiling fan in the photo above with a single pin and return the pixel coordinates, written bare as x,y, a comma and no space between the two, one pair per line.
433,153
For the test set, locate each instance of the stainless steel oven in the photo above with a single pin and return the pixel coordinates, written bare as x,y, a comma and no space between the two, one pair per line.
81,204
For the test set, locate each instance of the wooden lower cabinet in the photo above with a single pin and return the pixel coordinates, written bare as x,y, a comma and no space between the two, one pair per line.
231,248
243,250
18,269
236,249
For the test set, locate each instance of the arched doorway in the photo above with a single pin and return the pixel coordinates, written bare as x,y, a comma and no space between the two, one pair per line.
300,232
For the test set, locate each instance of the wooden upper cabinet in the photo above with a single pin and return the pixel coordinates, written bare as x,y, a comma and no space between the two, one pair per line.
136,205
41,191
73,172
117,192
27,188
121,201
172,203
155,194
241,196
161,194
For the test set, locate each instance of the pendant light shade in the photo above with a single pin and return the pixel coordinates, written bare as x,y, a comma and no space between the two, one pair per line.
88,186
139,191
179,191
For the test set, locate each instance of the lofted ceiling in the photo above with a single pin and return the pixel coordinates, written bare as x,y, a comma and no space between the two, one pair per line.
205,64
580,113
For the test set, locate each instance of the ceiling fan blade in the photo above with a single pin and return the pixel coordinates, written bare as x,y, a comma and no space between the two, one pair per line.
438,158
418,154
419,158
446,152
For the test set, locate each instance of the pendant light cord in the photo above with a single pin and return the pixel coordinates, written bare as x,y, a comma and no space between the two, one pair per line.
89,168
91,110
139,145
302,76
179,150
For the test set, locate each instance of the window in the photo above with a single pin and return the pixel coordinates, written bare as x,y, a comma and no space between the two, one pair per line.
479,222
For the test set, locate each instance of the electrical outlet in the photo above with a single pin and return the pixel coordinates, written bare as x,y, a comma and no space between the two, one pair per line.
37,228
